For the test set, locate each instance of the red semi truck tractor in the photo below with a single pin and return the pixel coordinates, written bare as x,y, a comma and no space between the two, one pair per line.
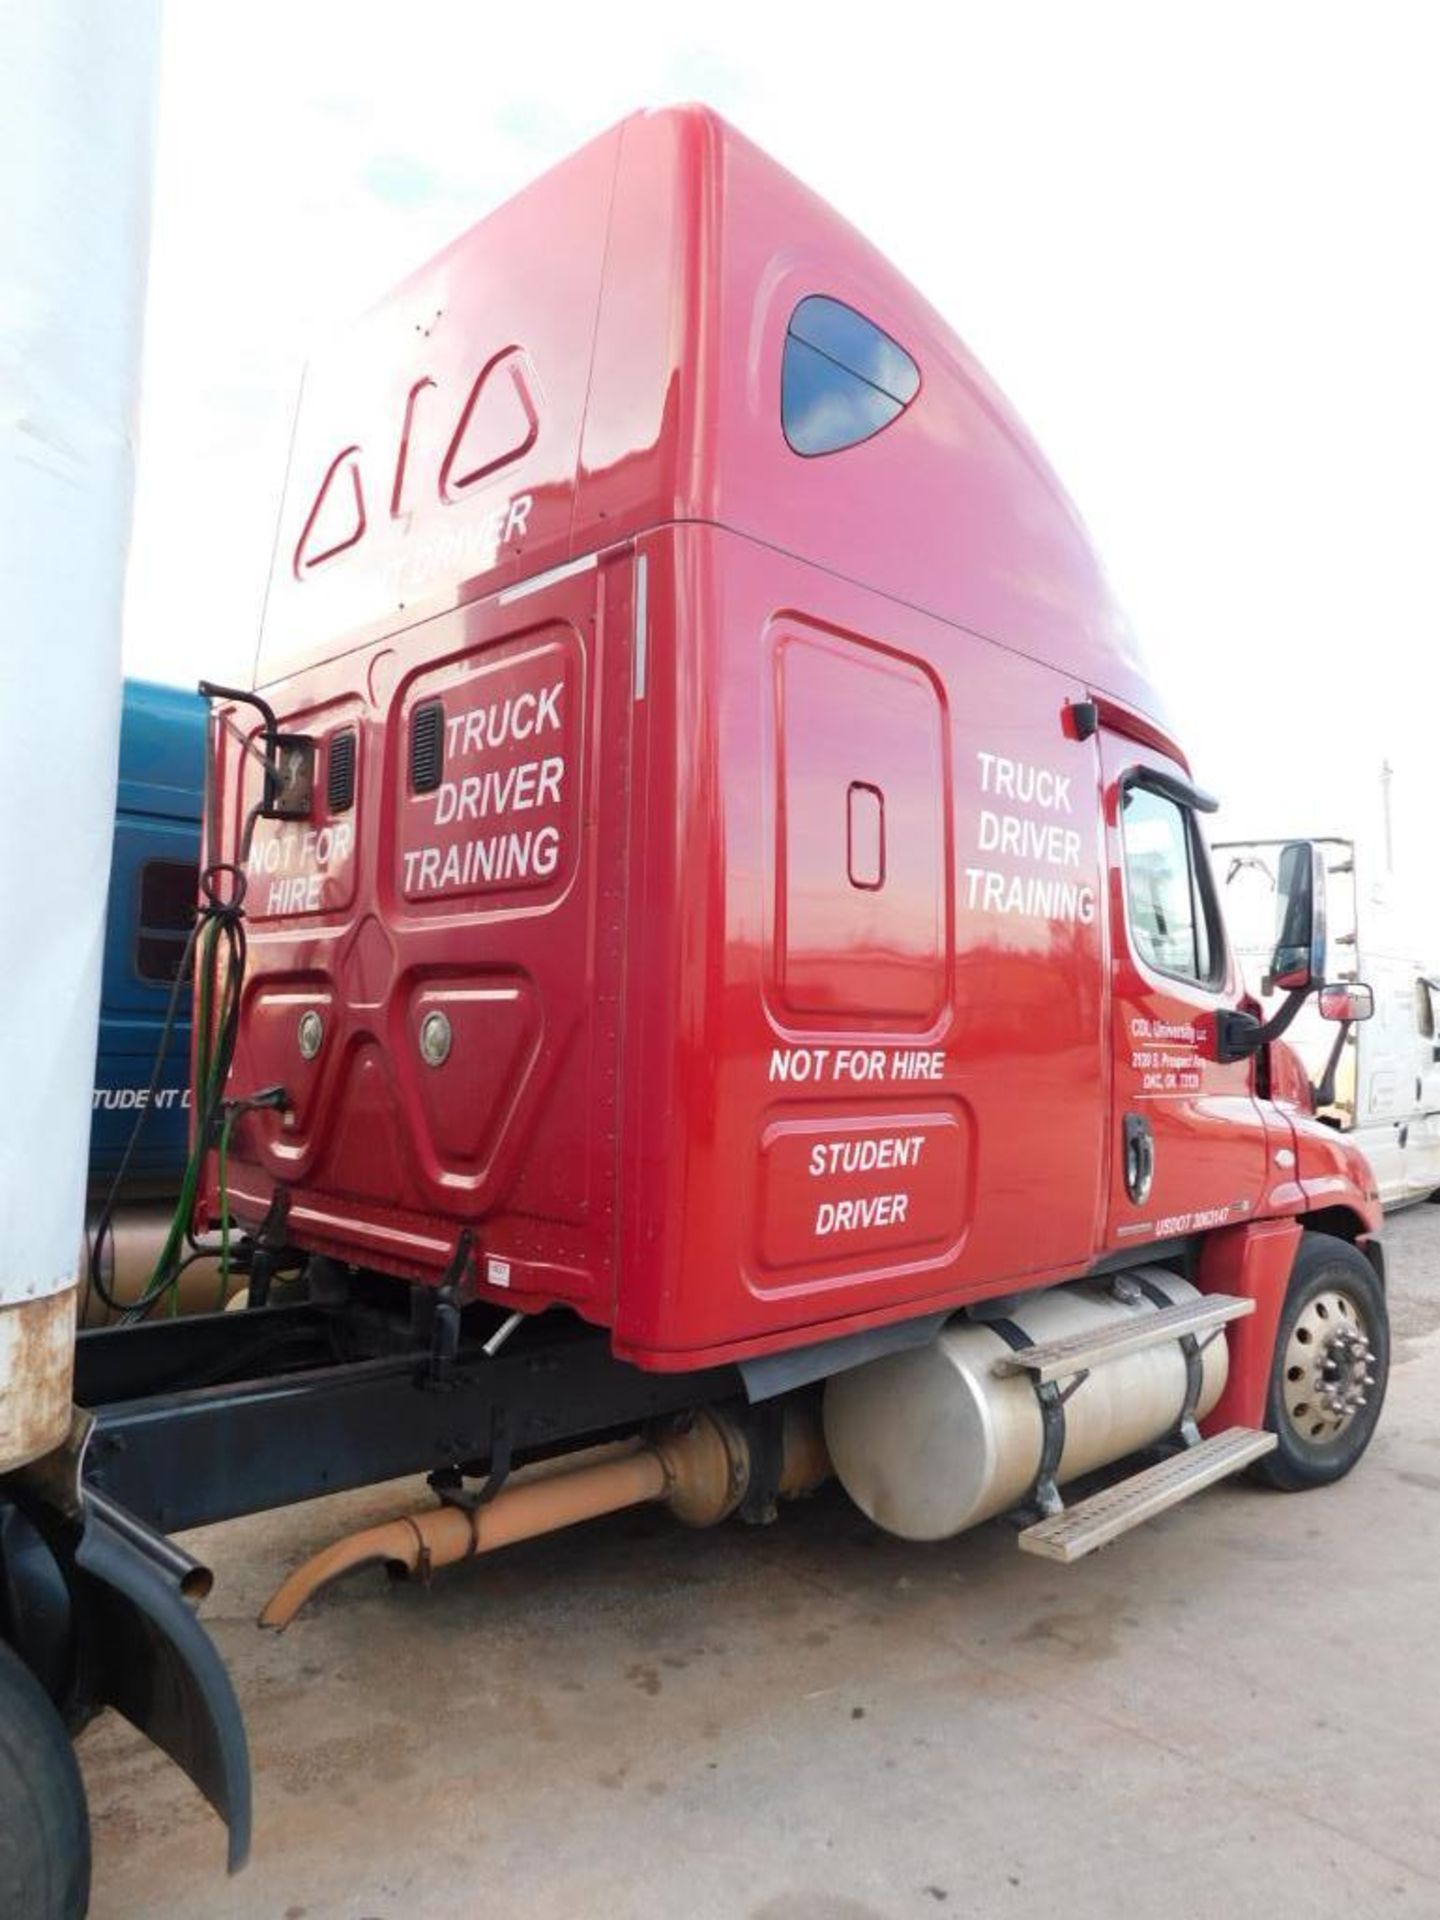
735,987
742,891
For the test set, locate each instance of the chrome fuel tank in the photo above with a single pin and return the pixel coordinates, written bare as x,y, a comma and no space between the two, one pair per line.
933,1440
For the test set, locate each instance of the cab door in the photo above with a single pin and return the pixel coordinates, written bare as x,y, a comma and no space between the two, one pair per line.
1422,1153
1188,1142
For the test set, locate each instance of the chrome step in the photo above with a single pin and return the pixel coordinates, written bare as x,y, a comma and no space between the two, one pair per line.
1078,1530
1059,1359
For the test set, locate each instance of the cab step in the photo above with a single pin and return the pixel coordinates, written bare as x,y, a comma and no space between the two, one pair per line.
1077,1352
1078,1530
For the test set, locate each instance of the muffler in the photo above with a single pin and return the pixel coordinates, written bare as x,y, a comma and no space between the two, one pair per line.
700,1471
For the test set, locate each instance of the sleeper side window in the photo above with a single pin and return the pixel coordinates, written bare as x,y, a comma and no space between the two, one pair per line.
167,908
1167,884
842,379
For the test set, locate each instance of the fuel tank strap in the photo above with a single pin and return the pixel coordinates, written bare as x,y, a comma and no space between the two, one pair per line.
1193,1350
1051,1399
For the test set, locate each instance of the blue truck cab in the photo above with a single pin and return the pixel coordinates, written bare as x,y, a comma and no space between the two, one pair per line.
159,804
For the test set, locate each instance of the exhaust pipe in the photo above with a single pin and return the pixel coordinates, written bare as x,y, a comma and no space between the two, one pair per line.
701,1473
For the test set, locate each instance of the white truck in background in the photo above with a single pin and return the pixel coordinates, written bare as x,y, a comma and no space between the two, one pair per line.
1377,1080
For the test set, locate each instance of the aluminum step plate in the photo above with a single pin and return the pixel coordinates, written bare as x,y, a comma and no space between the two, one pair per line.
1115,1510
1060,1359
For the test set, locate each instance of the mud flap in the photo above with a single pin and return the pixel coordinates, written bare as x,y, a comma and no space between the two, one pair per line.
143,1652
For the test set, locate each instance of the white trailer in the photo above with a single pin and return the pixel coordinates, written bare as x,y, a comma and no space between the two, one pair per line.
1379,1079
77,91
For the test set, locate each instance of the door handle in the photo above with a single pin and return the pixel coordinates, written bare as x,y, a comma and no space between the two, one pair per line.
1139,1158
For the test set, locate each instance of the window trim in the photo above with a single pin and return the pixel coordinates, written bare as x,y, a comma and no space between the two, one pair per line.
142,930
902,406
1188,801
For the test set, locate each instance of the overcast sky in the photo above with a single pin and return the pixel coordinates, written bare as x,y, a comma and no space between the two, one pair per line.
1195,245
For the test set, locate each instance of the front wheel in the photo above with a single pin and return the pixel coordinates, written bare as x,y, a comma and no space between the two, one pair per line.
44,1825
1331,1365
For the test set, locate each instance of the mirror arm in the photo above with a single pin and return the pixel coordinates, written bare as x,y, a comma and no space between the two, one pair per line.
275,743
1240,1036
1324,1094
211,690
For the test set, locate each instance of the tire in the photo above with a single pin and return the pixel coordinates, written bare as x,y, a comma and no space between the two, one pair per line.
44,1822
1324,1410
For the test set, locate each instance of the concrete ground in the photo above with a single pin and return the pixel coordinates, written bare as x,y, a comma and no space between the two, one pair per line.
1234,1711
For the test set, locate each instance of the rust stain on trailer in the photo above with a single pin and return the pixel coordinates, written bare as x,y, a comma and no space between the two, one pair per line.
37,1353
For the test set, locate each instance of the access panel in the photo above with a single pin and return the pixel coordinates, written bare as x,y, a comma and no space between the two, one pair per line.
860,840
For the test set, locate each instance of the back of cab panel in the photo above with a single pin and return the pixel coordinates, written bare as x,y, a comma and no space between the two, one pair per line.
457,931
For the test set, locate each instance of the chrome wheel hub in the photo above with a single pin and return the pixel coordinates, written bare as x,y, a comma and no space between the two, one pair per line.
1329,1367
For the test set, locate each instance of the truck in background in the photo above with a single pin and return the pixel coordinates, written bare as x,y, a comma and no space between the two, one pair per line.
1376,1081
151,909
136,1165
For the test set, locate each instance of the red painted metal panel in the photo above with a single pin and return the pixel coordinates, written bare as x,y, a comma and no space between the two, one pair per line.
953,508
1334,1172
867,944
1253,1262
437,442
497,900
898,1185
734,1236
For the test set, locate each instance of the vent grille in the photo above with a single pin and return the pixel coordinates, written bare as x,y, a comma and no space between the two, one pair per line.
340,772
427,736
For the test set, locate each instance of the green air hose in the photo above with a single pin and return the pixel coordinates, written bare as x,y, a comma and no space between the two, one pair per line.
219,934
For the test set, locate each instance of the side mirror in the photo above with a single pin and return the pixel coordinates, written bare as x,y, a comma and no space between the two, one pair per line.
1298,961
1353,1001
